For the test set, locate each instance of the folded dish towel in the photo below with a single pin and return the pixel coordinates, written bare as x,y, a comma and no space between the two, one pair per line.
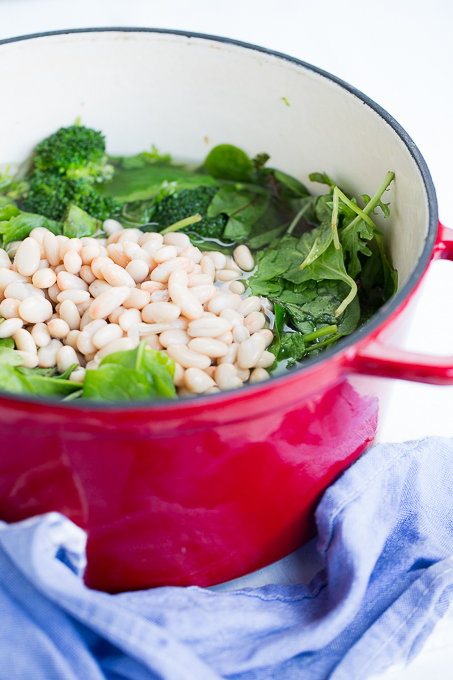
385,539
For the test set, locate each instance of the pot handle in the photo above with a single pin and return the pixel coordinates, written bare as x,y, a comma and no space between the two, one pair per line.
378,358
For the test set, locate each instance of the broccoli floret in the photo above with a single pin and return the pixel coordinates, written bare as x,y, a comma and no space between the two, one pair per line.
75,152
186,203
50,194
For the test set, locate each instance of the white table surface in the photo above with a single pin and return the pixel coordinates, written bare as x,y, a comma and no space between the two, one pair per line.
400,53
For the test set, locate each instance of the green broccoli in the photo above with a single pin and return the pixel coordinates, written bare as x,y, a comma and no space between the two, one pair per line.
186,203
50,194
76,152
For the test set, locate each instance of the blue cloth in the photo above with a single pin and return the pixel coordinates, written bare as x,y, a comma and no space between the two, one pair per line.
385,539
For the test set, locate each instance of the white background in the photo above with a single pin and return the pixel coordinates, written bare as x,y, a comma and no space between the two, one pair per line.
400,53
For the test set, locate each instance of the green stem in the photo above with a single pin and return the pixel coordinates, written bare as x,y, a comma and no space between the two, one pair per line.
336,240
349,298
327,342
321,333
182,223
295,221
374,201
356,208
140,352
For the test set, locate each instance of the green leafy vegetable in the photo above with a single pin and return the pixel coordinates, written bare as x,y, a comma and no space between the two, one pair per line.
78,223
228,162
243,206
20,225
135,374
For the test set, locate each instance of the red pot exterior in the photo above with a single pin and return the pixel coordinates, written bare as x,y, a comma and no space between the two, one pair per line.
194,495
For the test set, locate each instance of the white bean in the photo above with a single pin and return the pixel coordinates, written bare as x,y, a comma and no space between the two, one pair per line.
98,263
35,309
209,346
231,356
116,253
74,244
218,259
78,375
53,292
227,338
250,351
267,335
69,313
197,381
107,334
66,357
27,257
160,312
174,336
8,276
47,356
244,258
111,226
259,375
134,252
117,276
233,317
71,339
267,359
138,269
192,252
152,286
9,308
226,377
128,319
163,271
130,235
108,301
43,264
181,323
72,262
143,329
88,253
92,327
86,319
208,327
164,253
30,360
226,275
266,304
138,299
178,377
40,334
250,304
24,341
224,301
199,280
98,287
242,373
207,266
20,291
78,297
237,287
120,345
204,293
254,322
152,341
114,316
84,344
58,328
67,281
44,278
177,239
51,249
5,262
187,357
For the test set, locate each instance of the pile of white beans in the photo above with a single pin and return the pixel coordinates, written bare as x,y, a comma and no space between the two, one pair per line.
74,301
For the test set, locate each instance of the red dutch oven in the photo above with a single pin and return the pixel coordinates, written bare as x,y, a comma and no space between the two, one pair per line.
208,489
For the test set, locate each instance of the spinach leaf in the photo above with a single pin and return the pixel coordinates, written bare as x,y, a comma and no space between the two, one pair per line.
78,223
10,357
243,206
292,348
13,381
19,227
228,162
6,343
135,374
46,386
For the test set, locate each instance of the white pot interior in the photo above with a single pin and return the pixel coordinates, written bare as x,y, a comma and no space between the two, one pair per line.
188,94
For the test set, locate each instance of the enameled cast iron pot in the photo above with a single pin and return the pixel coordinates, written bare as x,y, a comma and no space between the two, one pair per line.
208,489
